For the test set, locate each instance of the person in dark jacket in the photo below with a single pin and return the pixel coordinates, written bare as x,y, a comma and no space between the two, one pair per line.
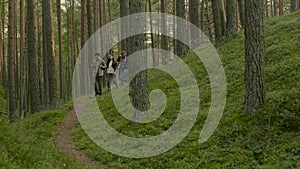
111,71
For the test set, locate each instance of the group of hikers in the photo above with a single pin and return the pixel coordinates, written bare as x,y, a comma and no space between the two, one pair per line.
99,67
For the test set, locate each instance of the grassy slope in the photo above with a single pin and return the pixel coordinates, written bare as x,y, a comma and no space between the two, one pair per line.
269,139
30,143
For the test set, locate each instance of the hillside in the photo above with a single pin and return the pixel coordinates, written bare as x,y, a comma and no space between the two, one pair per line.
269,139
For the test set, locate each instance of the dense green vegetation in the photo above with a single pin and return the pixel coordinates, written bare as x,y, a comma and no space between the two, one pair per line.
30,143
269,139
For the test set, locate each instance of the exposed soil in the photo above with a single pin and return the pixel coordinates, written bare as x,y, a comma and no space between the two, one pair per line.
65,141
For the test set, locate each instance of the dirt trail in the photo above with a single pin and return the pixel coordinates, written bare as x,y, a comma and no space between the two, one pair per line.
65,141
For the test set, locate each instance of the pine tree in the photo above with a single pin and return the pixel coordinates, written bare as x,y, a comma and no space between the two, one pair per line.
48,40
11,54
255,53
34,92
231,28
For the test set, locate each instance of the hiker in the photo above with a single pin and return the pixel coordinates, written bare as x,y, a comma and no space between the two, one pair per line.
123,66
98,68
111,71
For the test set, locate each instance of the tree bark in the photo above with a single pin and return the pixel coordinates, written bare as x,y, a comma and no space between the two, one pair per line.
255,53
164,40
275,7
242,12
83,22
281,4
181,49
210,34
89,18
152,36
293,5
221,8
4,68
124,11
194,19
267,9
1,52
231,18
62,86
40,53
48,39
22,56
202,18
271,7
11,54
217,23
139,82
33,74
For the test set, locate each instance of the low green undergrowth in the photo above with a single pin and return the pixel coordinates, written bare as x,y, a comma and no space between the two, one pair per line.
30,143
269,139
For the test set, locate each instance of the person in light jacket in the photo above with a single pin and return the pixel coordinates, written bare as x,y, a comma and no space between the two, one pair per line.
98,68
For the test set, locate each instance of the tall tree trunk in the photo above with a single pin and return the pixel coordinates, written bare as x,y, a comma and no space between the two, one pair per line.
74,37
181,49
221,8
164,40
1,52
101,23
83,22
33,74
48,40
110,37
139,82
124,11
217,23
11,54
96,15
40,53
152,35
271,8
174,26
202,18
17,54
231,18
194,19
242,12
281,4
61,63
22,56
4,72
210,34
293,5
267,9
89,18
84,38
275,7
255,53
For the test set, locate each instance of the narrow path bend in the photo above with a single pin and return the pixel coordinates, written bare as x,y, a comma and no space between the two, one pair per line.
65,141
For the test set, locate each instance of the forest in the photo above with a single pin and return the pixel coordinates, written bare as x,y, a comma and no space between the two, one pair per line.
240,91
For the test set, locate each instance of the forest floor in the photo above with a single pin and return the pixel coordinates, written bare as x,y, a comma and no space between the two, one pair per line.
66,142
